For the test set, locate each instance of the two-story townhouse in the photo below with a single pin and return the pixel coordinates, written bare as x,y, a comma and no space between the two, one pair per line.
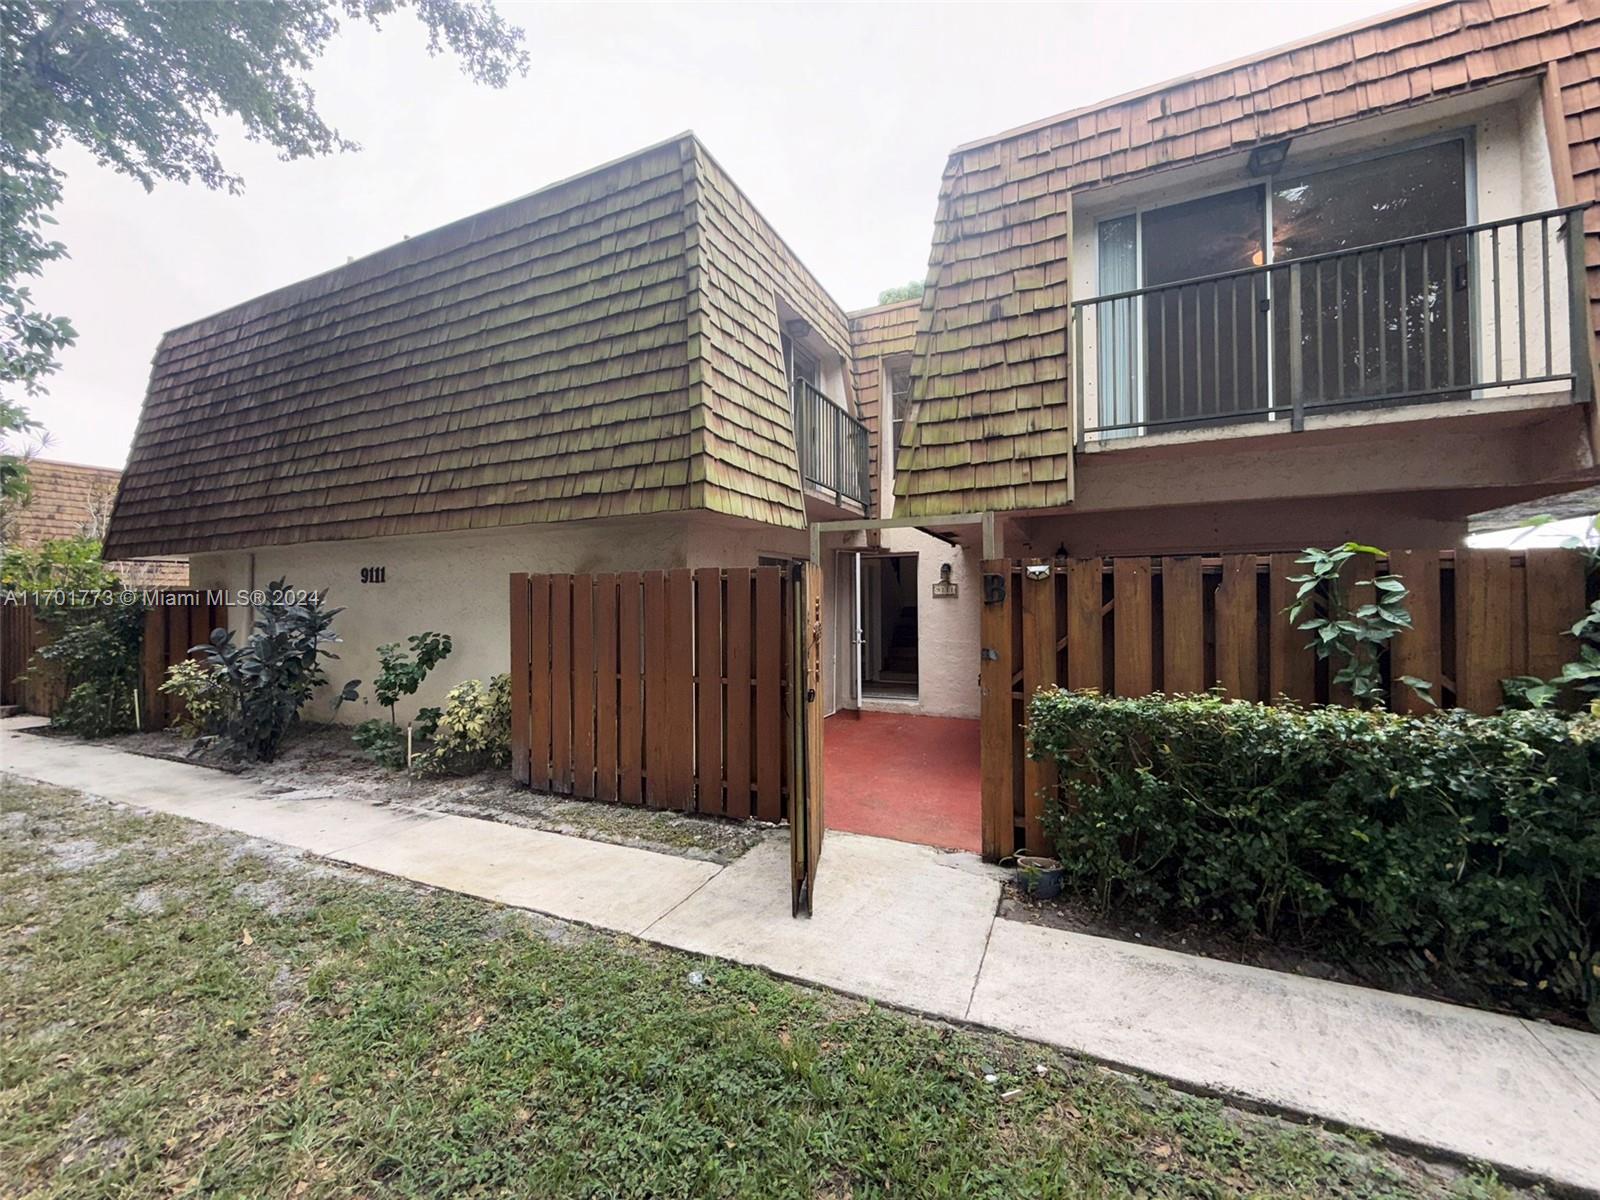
1335,290
628,369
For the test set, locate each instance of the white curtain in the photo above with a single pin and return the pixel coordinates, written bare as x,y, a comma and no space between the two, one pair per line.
1117,326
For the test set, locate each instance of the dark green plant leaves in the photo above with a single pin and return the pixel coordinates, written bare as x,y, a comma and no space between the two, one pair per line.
1347,631
1458,849
275,672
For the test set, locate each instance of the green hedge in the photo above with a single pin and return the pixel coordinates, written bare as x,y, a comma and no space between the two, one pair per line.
1453,846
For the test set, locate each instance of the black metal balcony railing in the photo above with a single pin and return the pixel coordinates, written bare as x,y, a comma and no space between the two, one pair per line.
832,444
1451,315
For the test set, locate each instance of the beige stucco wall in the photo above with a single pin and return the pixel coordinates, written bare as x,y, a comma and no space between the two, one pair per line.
947,629
458,584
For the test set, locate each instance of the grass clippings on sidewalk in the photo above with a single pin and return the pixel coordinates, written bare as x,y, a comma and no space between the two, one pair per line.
324,758
187,1012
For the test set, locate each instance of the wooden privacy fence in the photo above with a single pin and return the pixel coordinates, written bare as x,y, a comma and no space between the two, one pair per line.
21,634
174,622
662,688
1133,626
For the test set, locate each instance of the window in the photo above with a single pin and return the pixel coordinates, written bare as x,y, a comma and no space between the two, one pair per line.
1207,351
799,364
897,384
1404,320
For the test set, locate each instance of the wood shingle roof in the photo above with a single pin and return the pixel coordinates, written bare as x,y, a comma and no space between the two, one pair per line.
571,354
73,500
875,334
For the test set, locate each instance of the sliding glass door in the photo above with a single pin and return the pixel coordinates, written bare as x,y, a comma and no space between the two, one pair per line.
1202,361
1286,323
1395,322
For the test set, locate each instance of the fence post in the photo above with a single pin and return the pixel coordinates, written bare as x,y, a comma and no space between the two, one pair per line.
521,677
1038,671
998,726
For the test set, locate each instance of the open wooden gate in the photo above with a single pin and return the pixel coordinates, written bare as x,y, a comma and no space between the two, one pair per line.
805,733
696,690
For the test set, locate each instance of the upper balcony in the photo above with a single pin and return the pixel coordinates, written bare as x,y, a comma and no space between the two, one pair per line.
832,446
1481,312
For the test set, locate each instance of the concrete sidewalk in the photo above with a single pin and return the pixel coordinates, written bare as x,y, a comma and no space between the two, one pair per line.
917,928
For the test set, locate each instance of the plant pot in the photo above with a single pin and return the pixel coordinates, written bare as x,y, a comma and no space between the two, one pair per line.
1039,877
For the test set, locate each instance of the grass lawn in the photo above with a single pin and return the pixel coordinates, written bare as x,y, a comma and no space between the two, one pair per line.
184,1011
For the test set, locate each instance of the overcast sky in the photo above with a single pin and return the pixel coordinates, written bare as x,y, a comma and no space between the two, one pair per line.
836,120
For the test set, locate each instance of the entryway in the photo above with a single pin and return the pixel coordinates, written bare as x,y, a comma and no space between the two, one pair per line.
888,624
910,778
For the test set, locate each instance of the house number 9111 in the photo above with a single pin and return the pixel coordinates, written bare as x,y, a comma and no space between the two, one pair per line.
373,574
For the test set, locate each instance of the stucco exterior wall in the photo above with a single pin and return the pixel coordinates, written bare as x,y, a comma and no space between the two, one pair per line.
1408,521
457,584
947,629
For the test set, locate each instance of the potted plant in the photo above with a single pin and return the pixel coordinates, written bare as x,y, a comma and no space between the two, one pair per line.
1039,876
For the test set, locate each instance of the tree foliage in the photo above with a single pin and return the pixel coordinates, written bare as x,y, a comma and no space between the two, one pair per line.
14,456
140,84
906,291
64,564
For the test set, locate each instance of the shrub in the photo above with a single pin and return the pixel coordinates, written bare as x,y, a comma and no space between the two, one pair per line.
69,564
94,651
474,730
401,675
274,673
1460,847
382,741
206,702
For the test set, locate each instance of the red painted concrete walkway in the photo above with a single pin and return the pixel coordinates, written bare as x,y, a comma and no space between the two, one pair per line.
914,779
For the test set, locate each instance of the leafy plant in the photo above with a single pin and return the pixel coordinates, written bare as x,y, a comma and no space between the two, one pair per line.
1524,692
66,564
473,731
94,652
206,702
1583,672
401,673
382,741
270,678
1458,848
1349,633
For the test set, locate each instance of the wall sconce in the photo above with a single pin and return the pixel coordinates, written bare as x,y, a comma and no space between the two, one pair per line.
1267,159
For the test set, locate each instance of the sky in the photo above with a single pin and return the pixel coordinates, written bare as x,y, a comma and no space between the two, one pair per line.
836,120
